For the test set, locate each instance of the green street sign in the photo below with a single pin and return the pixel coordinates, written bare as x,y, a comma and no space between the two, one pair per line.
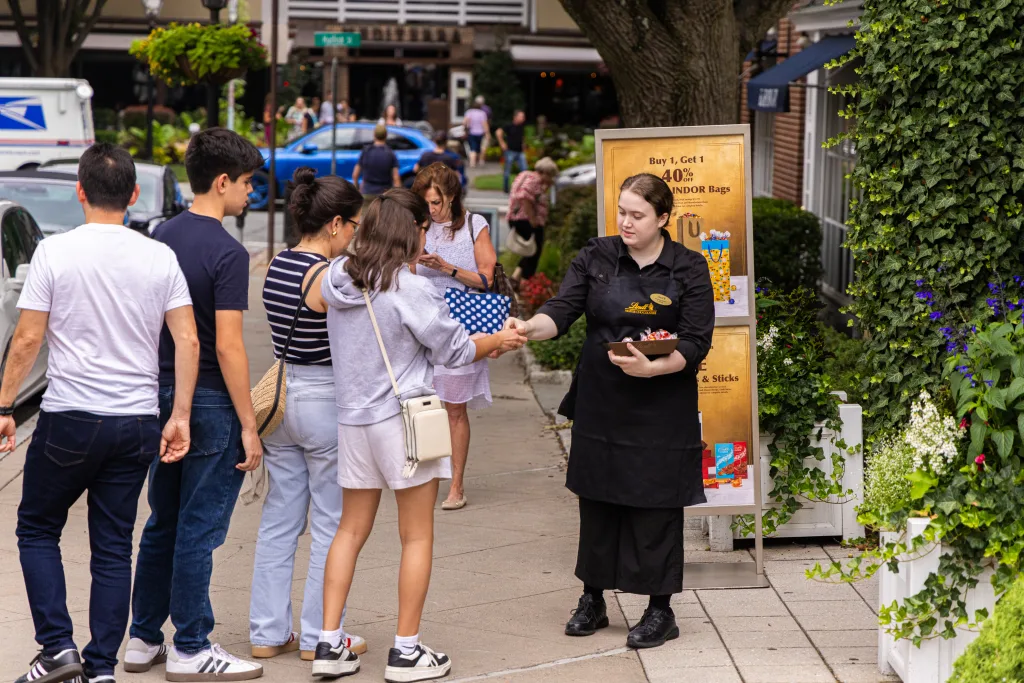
337,39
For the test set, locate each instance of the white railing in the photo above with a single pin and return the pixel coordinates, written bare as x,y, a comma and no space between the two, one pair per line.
457,12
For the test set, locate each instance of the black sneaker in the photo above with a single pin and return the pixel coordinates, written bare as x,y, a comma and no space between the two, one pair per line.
656,626
334,662
422,665
590,615
64,666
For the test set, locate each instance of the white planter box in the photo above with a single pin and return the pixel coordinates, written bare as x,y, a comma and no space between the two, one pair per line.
815,519
933,661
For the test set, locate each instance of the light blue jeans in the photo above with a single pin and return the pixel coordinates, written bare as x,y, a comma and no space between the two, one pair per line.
302,461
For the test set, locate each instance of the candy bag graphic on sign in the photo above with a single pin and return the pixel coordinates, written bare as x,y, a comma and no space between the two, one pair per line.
716,251
740,458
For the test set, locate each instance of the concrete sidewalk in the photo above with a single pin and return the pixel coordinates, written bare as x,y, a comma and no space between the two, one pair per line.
502,585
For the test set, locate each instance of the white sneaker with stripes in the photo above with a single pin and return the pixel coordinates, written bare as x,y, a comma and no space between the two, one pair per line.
213,664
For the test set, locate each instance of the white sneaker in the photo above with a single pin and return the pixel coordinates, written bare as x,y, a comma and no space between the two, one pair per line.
213,664
334,662
422,665
140,656
354,643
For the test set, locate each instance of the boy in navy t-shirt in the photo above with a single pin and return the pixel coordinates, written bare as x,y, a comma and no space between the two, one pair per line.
192,500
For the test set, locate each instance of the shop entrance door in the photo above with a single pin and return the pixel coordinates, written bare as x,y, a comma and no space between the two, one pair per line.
461,87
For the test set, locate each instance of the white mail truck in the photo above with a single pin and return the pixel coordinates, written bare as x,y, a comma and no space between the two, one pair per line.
43,119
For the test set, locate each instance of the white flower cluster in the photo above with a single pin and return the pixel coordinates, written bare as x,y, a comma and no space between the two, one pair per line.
767,341
932,437
787,361
886,487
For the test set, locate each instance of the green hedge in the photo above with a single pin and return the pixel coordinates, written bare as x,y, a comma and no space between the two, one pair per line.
940,161
562,353
787,244
998,652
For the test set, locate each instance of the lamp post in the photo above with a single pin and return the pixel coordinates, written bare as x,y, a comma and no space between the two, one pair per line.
213,91
152,8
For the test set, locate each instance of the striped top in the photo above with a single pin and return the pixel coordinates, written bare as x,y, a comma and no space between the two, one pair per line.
281,293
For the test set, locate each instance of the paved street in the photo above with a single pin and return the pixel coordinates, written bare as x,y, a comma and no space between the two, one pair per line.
503,582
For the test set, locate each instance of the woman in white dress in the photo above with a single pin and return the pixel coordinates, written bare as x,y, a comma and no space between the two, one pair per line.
458,254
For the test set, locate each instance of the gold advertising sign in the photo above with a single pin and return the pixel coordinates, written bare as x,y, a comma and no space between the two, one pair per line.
707,169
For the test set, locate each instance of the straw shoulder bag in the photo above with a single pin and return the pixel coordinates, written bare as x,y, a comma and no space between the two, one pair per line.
427,434
269,394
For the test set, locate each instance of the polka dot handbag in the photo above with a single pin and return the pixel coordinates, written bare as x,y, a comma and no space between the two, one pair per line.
478,311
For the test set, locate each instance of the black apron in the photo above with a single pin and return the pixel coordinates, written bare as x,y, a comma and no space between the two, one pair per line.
635,441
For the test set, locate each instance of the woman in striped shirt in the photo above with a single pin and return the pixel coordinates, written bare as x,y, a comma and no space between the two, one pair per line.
302,454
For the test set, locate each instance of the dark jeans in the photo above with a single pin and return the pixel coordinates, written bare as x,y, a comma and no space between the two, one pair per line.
513,158
72,453
528,264
191,502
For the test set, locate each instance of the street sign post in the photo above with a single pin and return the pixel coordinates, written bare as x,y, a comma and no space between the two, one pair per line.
325,39
334,117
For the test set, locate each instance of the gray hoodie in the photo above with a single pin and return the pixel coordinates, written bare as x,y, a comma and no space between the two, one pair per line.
418,334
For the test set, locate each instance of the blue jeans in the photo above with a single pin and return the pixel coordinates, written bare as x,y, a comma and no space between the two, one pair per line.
72,453
518,158
191,502
302,460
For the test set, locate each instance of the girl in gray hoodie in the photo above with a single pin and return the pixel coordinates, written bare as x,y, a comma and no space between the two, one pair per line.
418,334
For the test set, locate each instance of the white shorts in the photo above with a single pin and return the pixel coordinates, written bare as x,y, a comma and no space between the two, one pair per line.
373,456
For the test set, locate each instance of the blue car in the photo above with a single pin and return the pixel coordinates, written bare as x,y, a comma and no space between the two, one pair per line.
314,150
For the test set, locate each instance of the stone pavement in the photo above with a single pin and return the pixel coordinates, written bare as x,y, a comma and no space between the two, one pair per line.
502,584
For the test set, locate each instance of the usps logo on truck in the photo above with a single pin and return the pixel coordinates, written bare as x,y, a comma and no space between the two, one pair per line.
22,113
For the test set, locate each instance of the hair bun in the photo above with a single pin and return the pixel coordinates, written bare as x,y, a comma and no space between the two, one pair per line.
304,176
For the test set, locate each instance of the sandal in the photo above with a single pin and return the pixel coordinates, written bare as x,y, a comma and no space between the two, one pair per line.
454,504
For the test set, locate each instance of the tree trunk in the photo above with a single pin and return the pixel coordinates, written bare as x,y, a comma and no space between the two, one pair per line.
61,28
675,62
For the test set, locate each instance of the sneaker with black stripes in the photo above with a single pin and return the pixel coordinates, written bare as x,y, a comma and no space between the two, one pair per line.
333,662
213,664
423,664
63,666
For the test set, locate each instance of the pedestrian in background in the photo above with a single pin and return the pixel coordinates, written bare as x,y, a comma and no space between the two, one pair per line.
477,127
295,118
191,501
528,211
441,154
327,111
302,453
511,138
100,294
343,110
459,254
377,168
268,117
390,117
314,111
416,333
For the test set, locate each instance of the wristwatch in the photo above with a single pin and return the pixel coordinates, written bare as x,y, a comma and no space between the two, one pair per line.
6,410
455,272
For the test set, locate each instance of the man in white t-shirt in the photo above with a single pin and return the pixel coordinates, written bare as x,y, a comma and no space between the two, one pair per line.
100,294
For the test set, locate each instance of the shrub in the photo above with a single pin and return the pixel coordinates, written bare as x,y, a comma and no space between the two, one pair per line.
494,77
534,291
845,363
135,116
562,353
580,227
940,161
550,262
109,136
787,244
998,652
886,487
104,118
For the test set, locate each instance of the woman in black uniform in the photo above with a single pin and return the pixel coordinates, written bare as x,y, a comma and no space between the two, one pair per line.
635,461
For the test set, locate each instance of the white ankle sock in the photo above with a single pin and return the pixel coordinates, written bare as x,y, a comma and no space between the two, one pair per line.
332,637
407,644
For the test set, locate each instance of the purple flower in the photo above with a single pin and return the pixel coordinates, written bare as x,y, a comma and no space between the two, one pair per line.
935,315
961,368
924,296
950,347
989,382
919,283
947,332
994,303
993,287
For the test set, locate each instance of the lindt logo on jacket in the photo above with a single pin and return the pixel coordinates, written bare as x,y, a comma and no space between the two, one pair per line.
641,309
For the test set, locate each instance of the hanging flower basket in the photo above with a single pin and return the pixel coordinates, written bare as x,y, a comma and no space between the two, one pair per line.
193,53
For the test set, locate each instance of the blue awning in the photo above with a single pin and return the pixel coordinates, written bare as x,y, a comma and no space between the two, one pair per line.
767,47
769,91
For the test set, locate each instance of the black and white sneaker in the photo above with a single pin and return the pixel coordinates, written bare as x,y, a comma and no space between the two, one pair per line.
422,665
333,662
64,666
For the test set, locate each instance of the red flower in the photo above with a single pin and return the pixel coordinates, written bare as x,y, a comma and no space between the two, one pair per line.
963,423
980,462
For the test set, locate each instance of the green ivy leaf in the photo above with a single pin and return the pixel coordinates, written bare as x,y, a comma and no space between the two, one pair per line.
921,483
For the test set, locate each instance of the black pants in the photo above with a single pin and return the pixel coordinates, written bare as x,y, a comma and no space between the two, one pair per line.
634,550
72,453
528,264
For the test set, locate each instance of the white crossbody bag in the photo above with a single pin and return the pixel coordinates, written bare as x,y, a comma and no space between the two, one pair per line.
427,434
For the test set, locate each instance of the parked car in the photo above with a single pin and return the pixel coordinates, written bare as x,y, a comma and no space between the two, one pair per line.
314,150
43,118
160,195
584,174
19,236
